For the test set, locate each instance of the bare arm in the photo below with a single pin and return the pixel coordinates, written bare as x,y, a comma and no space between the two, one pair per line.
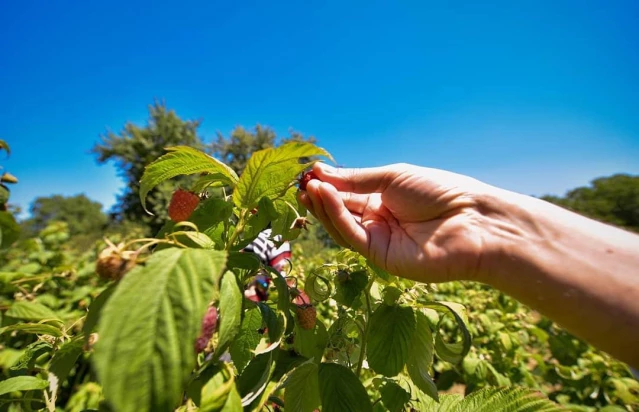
433,226
581,273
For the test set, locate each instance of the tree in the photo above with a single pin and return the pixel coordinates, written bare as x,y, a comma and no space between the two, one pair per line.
613,199
134,148
236,150
81,214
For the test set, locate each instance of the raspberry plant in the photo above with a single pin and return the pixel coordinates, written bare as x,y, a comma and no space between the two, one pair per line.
173,329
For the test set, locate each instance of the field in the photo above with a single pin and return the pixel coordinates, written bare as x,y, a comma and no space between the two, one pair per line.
154,323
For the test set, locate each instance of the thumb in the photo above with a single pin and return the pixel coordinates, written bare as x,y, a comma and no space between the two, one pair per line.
365,180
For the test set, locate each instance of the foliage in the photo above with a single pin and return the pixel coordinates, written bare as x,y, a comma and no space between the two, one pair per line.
134,148
81,214
613,199
74,341
9,228
237,149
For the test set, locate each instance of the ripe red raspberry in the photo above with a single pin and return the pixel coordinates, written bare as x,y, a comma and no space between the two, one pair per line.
306,316
209,326
183,203
306,177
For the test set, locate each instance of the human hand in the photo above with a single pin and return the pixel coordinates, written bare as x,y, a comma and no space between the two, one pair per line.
425,224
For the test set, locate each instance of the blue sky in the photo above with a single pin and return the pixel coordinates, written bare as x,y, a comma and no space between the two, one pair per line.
534,96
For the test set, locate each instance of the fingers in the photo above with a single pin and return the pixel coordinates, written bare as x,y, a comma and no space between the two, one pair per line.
348,227
368,180
313,202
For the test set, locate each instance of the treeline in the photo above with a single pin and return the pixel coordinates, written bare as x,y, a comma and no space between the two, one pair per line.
613,199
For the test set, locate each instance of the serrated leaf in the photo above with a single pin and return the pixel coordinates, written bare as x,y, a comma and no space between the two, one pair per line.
456,351
31,311
270,172
35,328
311,343
255,378
391,330
259,221
64,358
149,325
507,399
31,354
276,324
350,289
394,397
215,393
302,388
247,340
22,383
183,160
286,215
341,390
230,311
420,357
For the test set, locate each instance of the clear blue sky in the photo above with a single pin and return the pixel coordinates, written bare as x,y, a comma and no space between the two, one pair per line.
534,96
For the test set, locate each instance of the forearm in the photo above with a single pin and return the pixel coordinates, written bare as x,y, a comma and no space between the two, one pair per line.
581,273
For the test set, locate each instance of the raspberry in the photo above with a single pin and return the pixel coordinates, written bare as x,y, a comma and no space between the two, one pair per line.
306,316
209,325
183,203
113,262
306,177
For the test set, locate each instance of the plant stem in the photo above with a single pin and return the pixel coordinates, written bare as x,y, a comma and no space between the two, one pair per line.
369,312
238,229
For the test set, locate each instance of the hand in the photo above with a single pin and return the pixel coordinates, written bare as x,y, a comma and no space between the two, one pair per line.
425,224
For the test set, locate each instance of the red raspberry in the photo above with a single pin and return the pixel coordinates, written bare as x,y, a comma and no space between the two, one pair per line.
183,203
113,262
306,177
306,316
209,325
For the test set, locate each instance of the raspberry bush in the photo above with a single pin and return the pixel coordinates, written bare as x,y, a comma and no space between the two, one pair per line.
167,325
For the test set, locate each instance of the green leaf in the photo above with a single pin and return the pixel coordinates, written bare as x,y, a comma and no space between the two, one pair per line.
31,311
35,328
341,390
216,392
95,310
311,343
452,352
64,358
230,311
287,215
394,397
183,160
302,388
348,290
259,221
247,340
508,399
22,383
255,378
148,328
31,354
9,230
391,330
5,146
420,356
271,171
276,324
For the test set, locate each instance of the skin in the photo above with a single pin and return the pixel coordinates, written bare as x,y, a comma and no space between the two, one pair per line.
434,226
